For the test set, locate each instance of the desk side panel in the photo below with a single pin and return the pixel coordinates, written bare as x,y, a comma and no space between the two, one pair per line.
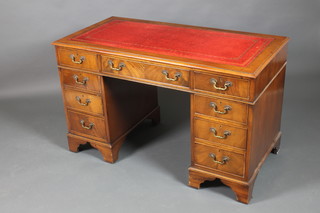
127,103
266,121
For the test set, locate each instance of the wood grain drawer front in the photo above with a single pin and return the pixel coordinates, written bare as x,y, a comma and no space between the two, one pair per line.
85,124
225,86
220,133
141,70
83,101
78,59
81,80
219,159
220,108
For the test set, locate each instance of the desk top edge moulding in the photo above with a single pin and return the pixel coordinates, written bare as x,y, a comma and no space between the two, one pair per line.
109,74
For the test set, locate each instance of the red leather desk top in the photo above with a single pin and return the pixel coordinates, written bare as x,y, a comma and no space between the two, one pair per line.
200,44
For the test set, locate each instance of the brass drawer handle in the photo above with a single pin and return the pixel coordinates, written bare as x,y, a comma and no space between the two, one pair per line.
81,59
225,133
83,82
111,65
224,160
176,76
227,84
82,104
86,127
225,111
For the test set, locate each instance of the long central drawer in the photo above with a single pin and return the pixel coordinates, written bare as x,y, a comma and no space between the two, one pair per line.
140,70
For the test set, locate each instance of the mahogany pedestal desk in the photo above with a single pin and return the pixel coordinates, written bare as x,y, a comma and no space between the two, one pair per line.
108,75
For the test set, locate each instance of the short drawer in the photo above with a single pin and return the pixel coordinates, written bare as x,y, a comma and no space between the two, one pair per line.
83,101
140,70
218,159
80,80
78,59
225,86
220,133
87,125
220,108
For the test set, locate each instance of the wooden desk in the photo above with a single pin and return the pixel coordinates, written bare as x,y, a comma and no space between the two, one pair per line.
108,75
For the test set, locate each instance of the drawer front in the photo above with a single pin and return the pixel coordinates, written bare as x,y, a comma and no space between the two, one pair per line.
83,101
141,70
222,109
219,159
87,125
225,86
80,80
220,133
78,59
